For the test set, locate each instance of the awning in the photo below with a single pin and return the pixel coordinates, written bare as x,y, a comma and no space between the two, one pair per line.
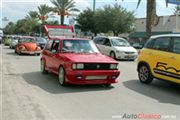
143,34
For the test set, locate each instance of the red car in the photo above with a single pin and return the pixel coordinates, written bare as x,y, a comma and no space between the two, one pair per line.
27,45
78,61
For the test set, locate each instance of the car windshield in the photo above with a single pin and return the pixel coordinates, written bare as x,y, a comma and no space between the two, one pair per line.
79,46
41,40
119,42
27,40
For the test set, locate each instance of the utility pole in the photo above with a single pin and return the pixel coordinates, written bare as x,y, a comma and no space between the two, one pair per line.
94,5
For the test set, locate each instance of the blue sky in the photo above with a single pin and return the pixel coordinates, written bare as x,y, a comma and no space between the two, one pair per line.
18,9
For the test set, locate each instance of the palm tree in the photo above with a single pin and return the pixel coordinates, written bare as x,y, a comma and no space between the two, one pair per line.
151,16
63,8
43,10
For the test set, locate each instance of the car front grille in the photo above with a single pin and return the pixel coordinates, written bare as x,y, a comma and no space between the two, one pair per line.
96,66
129,52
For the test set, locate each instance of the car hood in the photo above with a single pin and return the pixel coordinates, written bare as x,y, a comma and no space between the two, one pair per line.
30,46
89,58
126,49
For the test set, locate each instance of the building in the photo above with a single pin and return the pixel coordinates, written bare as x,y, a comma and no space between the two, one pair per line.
165,24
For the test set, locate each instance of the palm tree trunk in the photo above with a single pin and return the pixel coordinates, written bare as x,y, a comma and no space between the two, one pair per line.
150,4
62,19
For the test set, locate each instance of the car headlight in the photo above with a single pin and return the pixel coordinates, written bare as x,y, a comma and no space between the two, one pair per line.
78,66
113,66
38,48
22,48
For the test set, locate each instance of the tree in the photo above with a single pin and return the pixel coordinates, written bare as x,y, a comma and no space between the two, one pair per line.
109,19
177,10
43,10
115,19
63,8
86,21
151,16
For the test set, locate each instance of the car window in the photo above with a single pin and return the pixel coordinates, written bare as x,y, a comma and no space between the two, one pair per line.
99,40
49,44
55,46
106,42
149,44
26,40
176,45
119,42
79,46
162,44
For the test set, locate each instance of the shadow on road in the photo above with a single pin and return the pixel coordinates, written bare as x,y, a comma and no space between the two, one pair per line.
49,82
164,92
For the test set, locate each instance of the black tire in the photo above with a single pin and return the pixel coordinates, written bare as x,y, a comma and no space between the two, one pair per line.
43,67
61,76
144,74
38,54
112,55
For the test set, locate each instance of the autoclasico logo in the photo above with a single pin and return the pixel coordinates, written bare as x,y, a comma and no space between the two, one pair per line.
143,116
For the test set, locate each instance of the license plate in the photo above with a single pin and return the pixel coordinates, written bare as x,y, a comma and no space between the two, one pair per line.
96,77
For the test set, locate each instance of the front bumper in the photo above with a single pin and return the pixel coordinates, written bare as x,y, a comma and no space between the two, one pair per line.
31,52
124,56
92,76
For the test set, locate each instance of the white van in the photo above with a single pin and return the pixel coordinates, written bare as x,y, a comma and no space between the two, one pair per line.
116,47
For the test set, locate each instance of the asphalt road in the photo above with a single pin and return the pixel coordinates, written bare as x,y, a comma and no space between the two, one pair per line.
26,94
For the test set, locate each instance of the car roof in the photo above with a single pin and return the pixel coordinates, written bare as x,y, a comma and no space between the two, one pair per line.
166,35
58,38
110,37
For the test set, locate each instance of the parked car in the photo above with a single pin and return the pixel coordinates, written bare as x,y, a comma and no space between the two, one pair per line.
78,61
13,42
116,47
27,45
137,45
160,58
41,42
7,40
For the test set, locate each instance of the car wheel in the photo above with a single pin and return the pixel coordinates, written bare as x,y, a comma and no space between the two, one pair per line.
43,67
145,75
61,76
38,54
112,55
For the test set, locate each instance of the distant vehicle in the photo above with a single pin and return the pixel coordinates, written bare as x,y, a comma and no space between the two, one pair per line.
137,45
14,42
27,45
7,40
77,60
160,58
1,33
116,47
41,42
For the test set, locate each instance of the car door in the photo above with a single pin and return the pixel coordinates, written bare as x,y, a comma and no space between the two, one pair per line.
47,53
99,43
164,62
54,56
107,46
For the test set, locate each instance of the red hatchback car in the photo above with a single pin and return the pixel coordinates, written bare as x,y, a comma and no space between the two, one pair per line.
78,61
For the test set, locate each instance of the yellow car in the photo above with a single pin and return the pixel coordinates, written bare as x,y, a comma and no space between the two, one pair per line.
160,58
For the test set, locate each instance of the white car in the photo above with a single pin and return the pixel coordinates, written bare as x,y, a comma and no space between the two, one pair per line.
116,47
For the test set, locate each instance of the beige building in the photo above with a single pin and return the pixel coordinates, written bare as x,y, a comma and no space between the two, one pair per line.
165,24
